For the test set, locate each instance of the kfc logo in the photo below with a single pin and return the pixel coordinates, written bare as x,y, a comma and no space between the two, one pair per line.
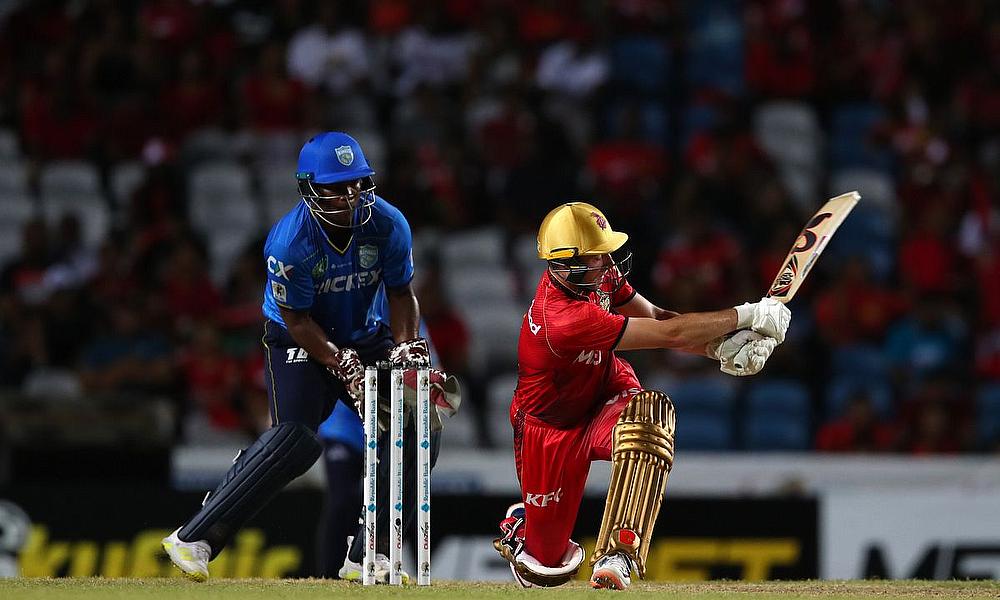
542,500
601,221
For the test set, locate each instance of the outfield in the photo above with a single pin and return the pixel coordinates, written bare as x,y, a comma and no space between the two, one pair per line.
306,589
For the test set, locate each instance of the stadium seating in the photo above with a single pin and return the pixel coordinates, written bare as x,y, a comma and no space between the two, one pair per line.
860,360
851,138
15,211
704,432
841,388
499,392
494,329
482,247
769,431
778,396
10,148
222,208
13,178
91,210
790,134
125,179
988,413
69,177
650,52
777,416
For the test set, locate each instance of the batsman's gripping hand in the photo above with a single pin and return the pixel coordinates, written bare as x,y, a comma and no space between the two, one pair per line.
411,353
742,353
349,370
767,317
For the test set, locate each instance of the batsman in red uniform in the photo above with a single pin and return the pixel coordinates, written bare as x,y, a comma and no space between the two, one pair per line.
576,401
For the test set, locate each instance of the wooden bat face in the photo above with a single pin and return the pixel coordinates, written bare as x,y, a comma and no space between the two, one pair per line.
810,244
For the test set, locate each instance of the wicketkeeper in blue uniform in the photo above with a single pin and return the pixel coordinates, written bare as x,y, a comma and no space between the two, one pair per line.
337,298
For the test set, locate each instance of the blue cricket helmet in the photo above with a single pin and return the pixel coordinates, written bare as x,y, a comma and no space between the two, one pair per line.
335,157
332,157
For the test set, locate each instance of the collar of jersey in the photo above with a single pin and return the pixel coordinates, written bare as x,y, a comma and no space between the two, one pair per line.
561,286
327,238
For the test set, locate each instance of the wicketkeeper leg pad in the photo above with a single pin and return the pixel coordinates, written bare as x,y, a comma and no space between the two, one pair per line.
279,455
642,454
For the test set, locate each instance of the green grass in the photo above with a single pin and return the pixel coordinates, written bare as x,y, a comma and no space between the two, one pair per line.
307,589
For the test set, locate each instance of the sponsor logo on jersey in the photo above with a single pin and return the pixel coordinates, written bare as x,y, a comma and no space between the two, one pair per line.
346,283
320,269
531,324
589,357
543,500
367,256
296,355
279,291
278,268
345,155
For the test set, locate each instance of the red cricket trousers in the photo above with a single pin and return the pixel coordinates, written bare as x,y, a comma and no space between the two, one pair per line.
552,466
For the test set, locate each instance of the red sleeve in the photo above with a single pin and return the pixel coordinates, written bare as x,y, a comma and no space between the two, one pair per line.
623,296
584,326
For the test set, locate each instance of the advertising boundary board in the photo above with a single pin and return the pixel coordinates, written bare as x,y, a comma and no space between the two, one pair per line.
918,534
114,531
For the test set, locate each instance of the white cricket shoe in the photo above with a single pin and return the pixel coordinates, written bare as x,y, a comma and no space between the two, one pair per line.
190,557
352,571
612,572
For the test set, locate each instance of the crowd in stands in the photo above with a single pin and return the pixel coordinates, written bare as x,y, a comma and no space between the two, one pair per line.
147,146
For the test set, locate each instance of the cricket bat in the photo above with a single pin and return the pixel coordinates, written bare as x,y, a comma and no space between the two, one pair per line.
806,249
810,244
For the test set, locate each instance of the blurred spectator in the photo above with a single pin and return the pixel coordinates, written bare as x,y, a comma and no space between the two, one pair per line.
929,339
854,309
859,429
24,277
273,101
696,266
937,418
330,54
127,354
187,290
489,113
195,100
212,381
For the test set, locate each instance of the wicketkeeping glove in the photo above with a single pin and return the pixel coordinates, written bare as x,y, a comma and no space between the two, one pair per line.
411,353
351,373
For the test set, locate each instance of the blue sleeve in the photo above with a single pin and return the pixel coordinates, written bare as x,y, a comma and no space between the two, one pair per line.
398,263
288,279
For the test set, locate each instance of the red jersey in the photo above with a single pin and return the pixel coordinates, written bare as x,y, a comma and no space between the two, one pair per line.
566,366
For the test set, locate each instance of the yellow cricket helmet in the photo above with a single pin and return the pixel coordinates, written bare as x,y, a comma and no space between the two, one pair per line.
577,229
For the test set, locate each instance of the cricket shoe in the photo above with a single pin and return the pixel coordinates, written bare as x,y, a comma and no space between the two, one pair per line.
513,524
190,557
352,571
612,572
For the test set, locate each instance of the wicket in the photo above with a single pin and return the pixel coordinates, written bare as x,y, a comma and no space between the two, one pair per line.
423,445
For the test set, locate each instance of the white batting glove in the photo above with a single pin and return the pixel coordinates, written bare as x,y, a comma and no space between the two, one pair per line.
742,353
767,317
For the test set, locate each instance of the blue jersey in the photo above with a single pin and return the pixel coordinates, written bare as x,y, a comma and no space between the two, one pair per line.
344,425
342,288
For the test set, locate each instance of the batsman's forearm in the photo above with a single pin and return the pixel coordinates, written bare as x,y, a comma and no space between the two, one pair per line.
686,332
309,335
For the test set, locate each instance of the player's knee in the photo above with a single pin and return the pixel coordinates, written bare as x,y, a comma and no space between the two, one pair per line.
292,447
647,425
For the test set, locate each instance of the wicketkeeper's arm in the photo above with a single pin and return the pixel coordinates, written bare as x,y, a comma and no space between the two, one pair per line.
309,335
404,313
